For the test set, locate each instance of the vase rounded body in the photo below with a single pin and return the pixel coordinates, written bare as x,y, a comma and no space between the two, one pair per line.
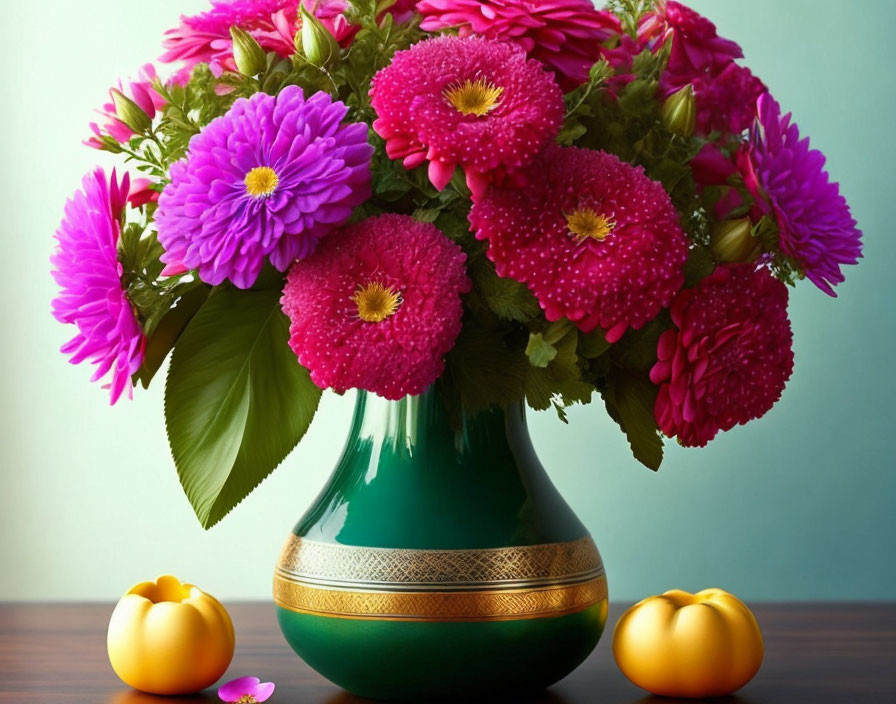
439,561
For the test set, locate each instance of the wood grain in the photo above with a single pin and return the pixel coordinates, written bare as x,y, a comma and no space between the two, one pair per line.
815,654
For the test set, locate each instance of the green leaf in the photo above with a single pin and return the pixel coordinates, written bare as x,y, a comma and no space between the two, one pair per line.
593,344
483,371
161,340
698,266
636,351
539,352
506,298
236,399
630,401
562,377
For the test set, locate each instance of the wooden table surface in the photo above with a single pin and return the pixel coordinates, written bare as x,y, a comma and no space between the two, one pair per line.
818,653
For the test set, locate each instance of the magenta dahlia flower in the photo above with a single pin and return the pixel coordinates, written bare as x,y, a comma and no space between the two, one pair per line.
91,296
471,102
205,38
142,93
593,238
565,35
697,49
265,181
788,179
728,357
727,102
378,306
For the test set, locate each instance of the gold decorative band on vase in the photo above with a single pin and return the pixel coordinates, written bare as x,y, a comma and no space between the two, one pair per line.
493,584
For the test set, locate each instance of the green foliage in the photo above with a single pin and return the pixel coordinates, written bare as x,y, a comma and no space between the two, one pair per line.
165,306
783,267
507,299
161,338
699,265
482,370
236,399
579,101
630,400
558,381
630,12
540,352
636,351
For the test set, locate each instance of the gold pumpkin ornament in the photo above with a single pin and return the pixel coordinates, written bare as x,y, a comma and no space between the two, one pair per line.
679,644
169,638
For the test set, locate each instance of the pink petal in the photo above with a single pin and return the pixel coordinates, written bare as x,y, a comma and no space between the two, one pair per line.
264,691
440,174
234,690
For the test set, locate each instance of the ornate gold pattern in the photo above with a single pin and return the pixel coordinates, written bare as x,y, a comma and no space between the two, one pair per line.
503,605
314,562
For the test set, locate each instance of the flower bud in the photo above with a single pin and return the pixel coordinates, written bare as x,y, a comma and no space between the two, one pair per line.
318,46
680,111
732,241
130,113
249,57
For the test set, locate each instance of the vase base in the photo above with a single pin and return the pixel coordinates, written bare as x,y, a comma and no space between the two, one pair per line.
400,660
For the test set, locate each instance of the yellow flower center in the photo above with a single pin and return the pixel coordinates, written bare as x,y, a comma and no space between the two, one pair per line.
585,224
261,181
473,97
247,699
376,302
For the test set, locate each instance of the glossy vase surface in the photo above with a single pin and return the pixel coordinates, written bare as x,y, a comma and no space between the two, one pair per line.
439,561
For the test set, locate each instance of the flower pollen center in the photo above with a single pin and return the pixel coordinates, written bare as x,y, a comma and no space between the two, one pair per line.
247,699
376,302
473,97
261,181
585,224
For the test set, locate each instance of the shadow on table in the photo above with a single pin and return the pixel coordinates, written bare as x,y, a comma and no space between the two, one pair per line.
653,699
545,697
132,696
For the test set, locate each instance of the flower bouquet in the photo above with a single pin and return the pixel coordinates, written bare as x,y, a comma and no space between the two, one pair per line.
514,201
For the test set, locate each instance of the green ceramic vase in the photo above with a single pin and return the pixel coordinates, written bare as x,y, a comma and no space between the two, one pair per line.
439,563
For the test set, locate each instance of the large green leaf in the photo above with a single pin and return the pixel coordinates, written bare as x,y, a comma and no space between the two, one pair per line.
630,401
236,399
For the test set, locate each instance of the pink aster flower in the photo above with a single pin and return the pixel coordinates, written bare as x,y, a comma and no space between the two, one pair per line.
468,102
263,182
593,238
697,49
377,307
142,93
728,357
788,179
727,102
246,690
205,38
91,296
565,35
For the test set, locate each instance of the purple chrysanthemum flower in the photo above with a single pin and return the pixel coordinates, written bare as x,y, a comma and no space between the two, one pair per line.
86,267
265,181
788,179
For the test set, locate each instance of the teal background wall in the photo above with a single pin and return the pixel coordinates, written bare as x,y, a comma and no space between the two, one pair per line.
796,506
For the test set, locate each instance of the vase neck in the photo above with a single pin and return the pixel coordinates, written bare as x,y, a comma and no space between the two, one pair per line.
413,476
424,423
